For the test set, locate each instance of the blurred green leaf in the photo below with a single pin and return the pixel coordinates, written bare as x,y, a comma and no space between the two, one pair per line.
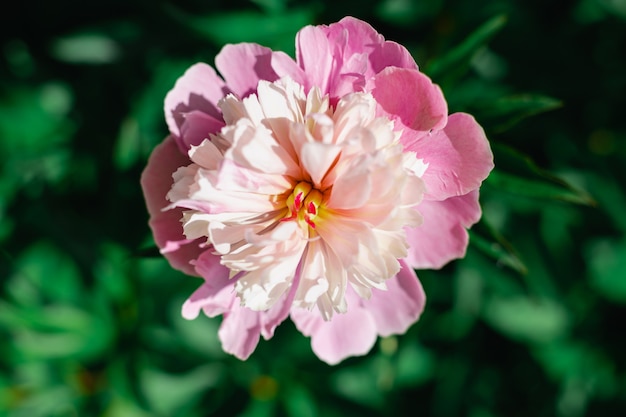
33,120
407,12
19,57
34,132
456,62
569,360
57,331
198,335
144,127
8,188
523,177
44,272
414,365
489,66
271,5
615,7
358,384
503,113
493,244
55,401
259,408
276,31
527,320
175,394
607,266
557,222
298,401
543,190
86,48
128,146
111,273
120,406
609,192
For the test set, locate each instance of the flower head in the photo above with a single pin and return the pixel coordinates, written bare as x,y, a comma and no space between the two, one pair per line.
312,188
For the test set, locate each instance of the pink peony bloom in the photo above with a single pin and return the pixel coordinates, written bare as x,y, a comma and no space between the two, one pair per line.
311,189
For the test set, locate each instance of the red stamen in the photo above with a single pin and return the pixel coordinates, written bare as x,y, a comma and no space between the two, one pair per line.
312,209
297,202
309,222
294,215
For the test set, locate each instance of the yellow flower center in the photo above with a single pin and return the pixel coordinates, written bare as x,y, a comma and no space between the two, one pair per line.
304,205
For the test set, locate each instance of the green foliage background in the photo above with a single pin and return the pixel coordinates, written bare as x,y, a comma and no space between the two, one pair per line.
530,323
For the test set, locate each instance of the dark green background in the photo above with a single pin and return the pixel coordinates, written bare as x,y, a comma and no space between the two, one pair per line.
530,323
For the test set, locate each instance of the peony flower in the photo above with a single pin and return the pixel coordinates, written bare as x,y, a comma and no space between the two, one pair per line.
312,189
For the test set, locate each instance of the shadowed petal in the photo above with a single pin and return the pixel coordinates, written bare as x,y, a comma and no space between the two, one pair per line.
215,296
359,37
410,98
197,126
156,181
200,88
244,65
443,235
342,57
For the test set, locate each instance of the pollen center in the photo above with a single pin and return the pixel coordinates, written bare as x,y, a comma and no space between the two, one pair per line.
304,205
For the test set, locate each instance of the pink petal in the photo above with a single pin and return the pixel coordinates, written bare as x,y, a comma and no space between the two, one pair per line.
352,189
315,57
241,327
342,57
350,334
360,37
271,318
156,181
396,309
443,235
215,296
317,158
200,88
410,98
240,331
243,65
197,126
211,300
459,158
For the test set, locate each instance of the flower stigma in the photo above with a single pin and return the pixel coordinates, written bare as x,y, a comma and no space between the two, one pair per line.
304,205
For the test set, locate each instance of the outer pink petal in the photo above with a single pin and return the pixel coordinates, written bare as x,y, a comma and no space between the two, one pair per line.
443,235
240,331
360,37
243,65
350,334
200,88
271,318
341,57
197,126
315,57
396,309
412,100
215,296
241,327
156,181
459,158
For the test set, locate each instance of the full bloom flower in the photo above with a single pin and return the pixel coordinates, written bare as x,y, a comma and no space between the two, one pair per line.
311,189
